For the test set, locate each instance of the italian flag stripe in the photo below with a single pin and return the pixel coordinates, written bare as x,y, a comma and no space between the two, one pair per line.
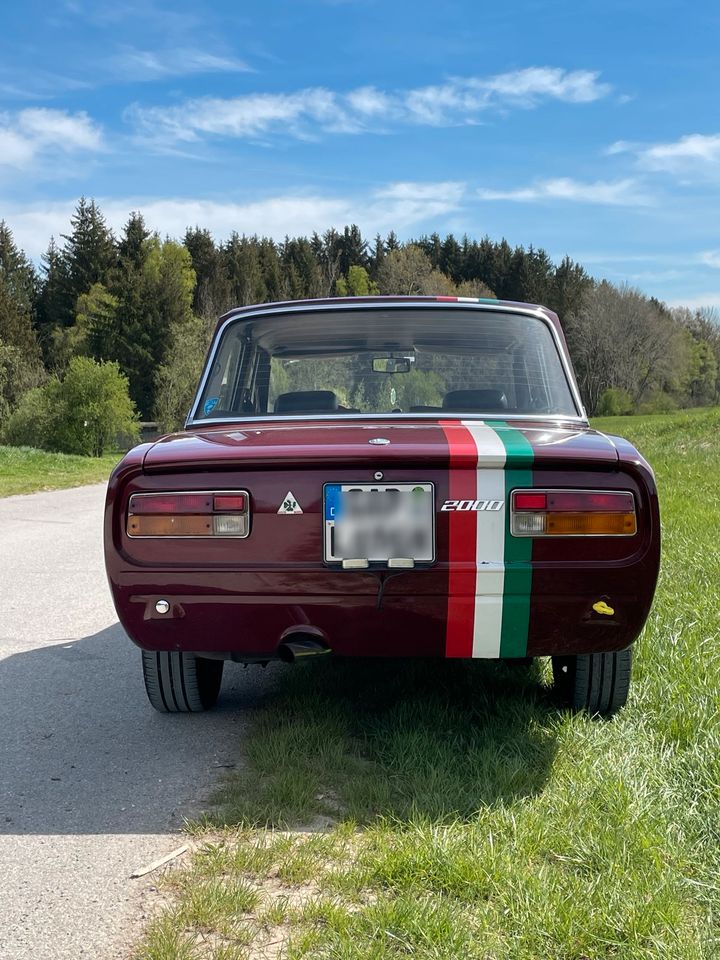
487,607
490,571
518,550
463,536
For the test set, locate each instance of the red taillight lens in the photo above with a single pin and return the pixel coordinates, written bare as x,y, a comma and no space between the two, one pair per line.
572,513
201,514
154,503
569,501
229,501
530,501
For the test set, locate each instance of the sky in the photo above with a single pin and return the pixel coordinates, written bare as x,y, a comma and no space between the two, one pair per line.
589,128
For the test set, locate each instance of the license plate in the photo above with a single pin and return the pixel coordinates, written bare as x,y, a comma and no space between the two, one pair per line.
379,522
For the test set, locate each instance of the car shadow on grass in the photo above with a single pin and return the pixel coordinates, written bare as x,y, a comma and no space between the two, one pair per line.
363,739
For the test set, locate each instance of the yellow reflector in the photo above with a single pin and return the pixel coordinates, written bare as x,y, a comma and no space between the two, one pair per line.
169,526
590,524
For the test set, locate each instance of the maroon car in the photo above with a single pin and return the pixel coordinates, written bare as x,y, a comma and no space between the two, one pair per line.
384,477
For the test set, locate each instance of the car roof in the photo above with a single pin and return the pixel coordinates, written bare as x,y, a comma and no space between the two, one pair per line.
401,301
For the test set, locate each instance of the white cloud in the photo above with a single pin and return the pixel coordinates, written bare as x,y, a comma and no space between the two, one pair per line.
622,257
533,83
369,102
448,191
695,151
15,149
132,64
623,193
250,116
697,301
711,258
395,206
305,113
38,131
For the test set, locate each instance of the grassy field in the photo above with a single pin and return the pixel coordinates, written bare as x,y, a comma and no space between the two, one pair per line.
442,811
26,470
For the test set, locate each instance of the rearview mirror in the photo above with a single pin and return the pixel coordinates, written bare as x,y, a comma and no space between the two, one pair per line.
392,364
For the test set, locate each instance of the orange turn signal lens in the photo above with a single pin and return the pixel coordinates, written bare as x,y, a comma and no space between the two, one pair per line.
168,526
590,524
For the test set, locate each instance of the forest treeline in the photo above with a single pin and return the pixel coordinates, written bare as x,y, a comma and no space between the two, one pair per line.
148,306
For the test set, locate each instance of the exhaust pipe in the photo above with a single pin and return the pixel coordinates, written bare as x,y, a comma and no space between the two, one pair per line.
292,650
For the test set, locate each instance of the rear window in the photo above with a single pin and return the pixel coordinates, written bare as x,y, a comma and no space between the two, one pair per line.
397,361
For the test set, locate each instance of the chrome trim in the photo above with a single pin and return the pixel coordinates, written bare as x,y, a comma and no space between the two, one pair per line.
390,419
568,536
538,313
180,493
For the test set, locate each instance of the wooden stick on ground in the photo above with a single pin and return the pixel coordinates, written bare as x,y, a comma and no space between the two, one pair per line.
160,862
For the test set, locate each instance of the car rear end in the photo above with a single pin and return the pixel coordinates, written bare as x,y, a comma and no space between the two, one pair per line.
441,533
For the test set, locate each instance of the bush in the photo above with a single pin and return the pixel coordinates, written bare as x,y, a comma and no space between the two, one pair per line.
19,373
29,424
658,403
87,412
614,402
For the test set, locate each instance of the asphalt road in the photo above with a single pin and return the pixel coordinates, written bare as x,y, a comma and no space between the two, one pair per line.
93,782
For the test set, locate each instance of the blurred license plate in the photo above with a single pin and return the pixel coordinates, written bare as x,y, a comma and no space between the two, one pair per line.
379,522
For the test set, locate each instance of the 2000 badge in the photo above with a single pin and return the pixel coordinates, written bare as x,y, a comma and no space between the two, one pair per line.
474,505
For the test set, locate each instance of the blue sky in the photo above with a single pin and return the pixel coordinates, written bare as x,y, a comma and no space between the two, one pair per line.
590,128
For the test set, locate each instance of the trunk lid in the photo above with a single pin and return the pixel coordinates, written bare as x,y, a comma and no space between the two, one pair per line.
289,444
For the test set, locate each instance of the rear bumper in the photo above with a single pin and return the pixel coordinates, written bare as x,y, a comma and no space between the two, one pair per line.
231,622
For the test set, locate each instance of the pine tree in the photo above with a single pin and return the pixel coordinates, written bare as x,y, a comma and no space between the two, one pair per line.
20,365
304,277
451,259
271,272
212,293
500,280
242,266
328,253
89,253
352,249
568,289
433,249
18,294
377,256
131,248
51,312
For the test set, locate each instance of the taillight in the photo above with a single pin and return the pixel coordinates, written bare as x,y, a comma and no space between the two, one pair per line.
572,513
223,513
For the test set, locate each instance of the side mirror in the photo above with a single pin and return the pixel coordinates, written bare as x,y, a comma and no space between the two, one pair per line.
392,364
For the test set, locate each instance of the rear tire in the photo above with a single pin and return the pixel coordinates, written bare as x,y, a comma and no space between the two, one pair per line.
181,682
596,683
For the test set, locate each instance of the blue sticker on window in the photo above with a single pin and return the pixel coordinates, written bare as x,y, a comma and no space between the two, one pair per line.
210,405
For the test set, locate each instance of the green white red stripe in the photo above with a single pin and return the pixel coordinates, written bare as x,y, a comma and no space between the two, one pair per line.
490,578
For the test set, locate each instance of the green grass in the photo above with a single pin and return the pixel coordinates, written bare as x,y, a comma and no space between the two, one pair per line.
441,810
26,470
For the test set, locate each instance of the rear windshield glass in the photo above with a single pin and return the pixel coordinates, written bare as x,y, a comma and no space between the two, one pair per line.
381,361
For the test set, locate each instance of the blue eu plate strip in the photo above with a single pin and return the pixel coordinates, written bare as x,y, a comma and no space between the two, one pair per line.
333,501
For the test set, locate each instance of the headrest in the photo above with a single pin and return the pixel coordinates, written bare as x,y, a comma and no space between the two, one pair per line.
307,401
480,400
